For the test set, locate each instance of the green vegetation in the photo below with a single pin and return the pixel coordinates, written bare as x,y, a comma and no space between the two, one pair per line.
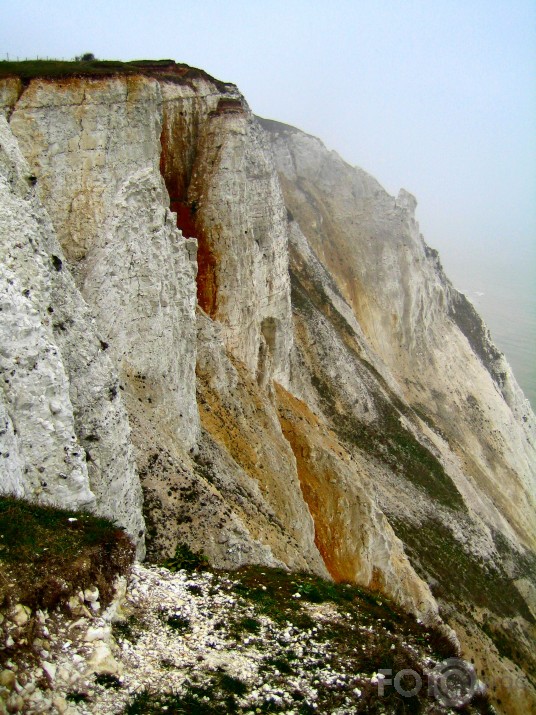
178,623
251,625
464,578
108,681
280,596
363,633
463,313
186,559
393,445
47,554
130,629
80,67
520,565
77,697
217,696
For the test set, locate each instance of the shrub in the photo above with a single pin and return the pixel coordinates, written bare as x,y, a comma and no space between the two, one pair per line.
186,559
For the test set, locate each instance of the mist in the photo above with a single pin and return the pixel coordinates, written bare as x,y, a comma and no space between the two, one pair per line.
437,97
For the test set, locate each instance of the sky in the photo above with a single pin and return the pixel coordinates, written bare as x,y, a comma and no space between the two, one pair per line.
436,96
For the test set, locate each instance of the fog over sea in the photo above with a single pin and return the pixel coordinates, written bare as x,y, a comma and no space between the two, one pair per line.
502,287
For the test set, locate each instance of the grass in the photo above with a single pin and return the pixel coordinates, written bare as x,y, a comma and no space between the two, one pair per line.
373,633
47,553
465,579
62,69
218,696
274,594
436,553
178,623
390,443
108,681
130,629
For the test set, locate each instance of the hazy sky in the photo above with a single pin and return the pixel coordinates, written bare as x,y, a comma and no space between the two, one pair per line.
437,96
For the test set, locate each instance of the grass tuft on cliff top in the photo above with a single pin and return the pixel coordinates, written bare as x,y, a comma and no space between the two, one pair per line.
62,69
47,553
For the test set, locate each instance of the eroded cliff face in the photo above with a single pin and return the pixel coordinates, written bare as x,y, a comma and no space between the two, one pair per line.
225,312
219,174
402,370
426,334
65,433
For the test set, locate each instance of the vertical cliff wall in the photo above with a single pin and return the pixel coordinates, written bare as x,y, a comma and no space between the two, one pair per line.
65,434
95,147
229,314
220,178
103,152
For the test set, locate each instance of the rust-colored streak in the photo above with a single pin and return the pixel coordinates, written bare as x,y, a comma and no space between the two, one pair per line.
185,218
179,139
207,284
309,439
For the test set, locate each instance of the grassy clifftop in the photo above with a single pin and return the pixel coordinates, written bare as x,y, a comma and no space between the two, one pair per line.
62,69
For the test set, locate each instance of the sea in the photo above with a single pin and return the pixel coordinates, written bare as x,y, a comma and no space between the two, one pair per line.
501,284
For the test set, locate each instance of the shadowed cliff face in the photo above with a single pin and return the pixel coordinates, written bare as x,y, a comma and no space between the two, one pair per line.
222,186
257,334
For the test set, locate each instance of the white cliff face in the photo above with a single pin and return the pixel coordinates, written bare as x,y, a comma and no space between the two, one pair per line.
35,385
65,436
428,336
94,147
221,179
245,451
373,250
10,91
244,225
372,432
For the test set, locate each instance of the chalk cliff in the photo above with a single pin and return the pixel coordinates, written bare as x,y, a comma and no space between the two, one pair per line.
215,312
